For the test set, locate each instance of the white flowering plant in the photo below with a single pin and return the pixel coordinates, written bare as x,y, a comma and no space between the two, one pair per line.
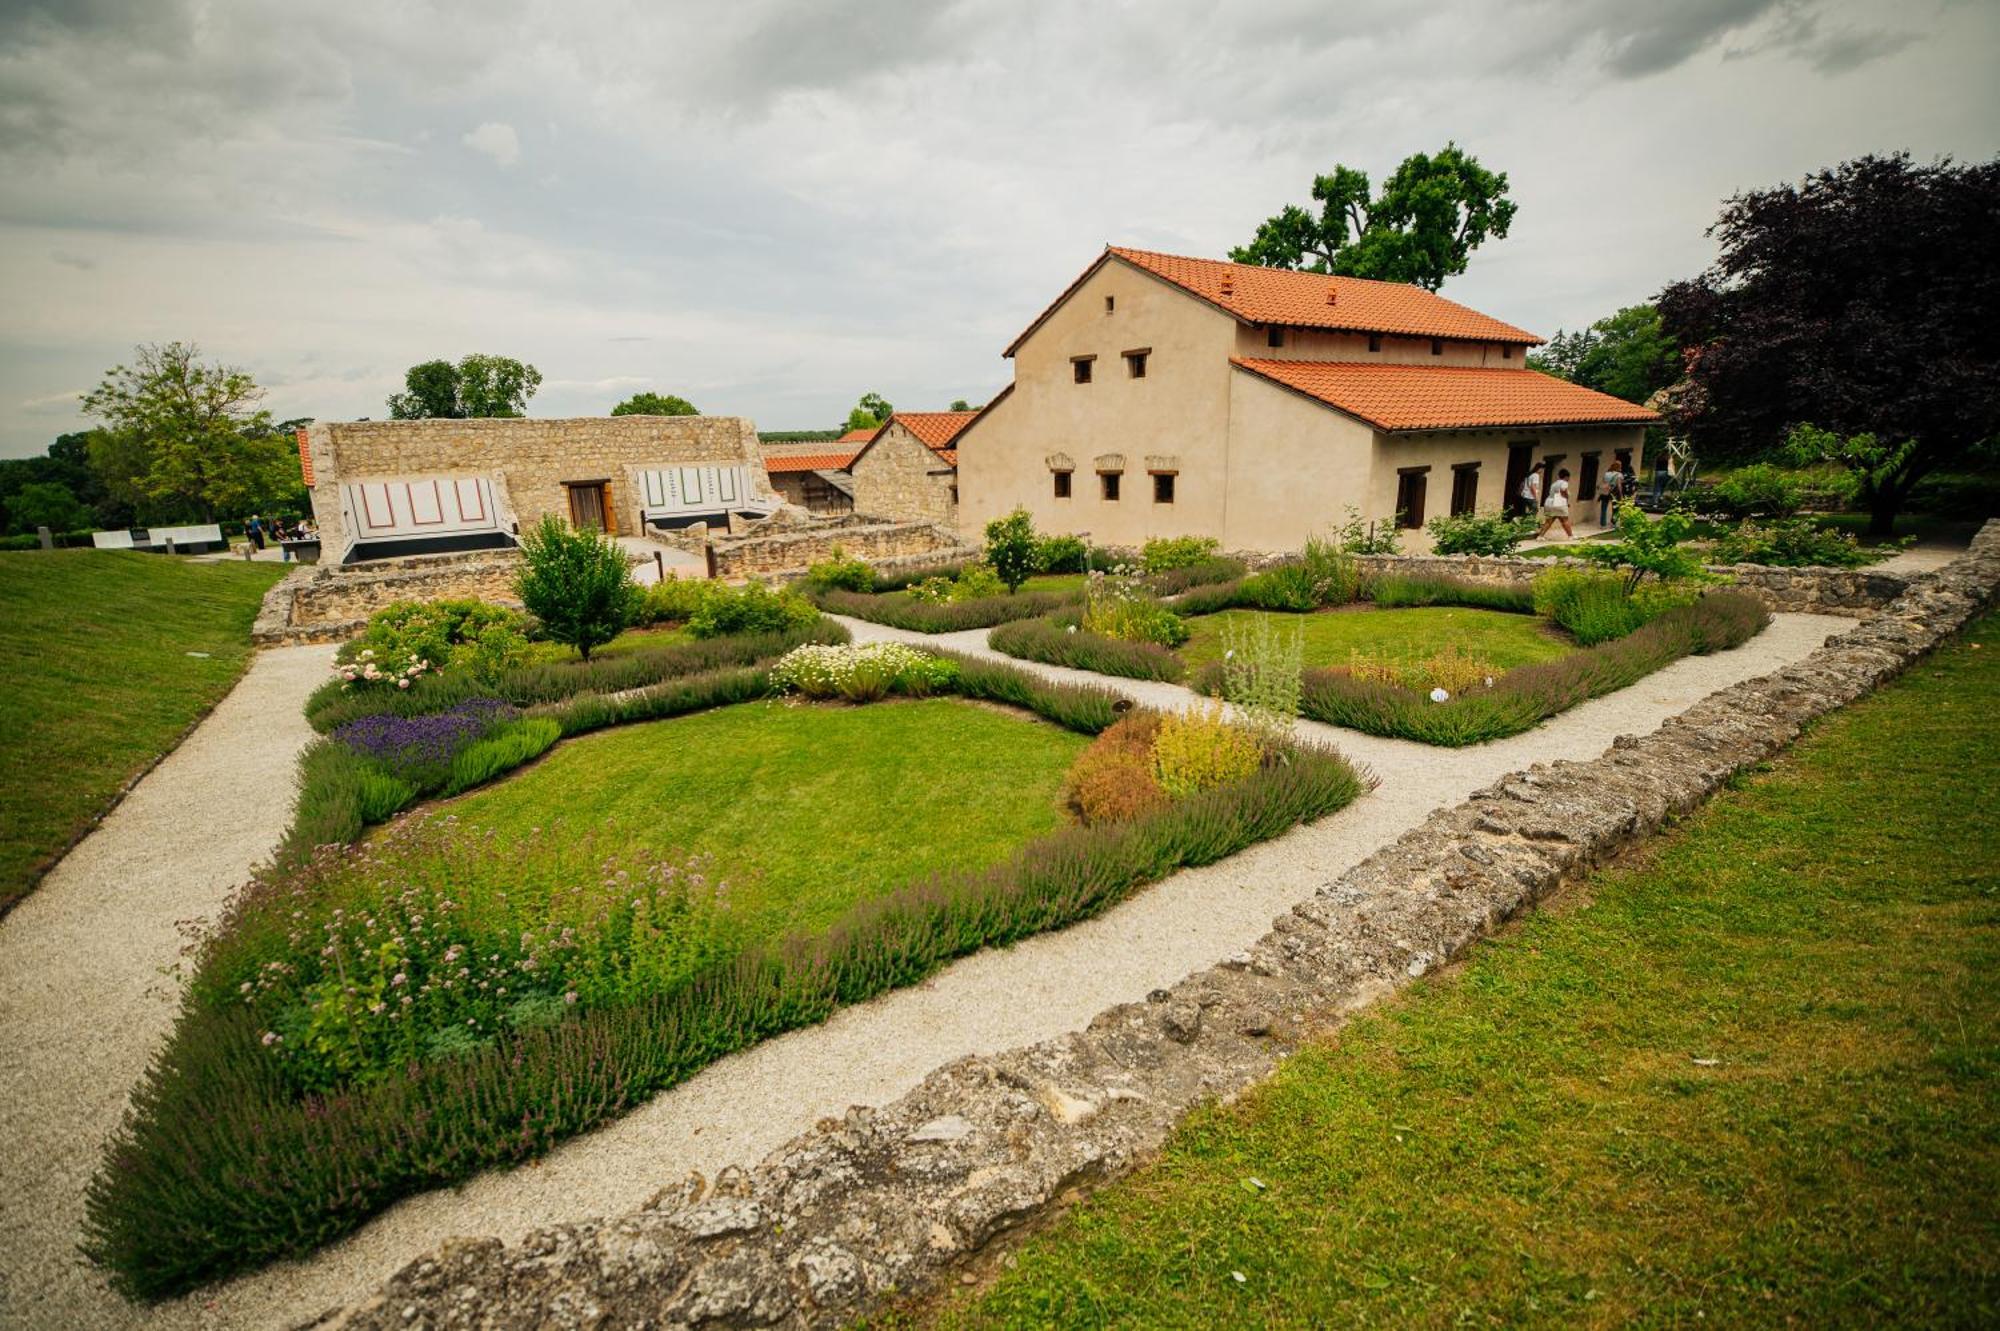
365,671
863,672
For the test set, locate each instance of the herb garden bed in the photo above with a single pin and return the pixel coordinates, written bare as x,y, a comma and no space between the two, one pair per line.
480,981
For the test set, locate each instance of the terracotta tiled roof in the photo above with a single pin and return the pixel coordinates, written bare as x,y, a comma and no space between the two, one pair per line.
1314,300
856,437
935,428
810,461
1447,397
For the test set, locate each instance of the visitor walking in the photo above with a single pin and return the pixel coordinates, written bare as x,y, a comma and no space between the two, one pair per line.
254,529
1531,490
1555,508
1608,496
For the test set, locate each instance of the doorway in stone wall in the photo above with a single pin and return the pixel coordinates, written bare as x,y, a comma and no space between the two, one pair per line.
586,504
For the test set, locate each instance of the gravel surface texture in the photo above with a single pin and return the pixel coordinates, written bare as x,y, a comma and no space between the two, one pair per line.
742,1107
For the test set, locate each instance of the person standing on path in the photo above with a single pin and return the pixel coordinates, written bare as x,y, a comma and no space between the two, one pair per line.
254,529
1609,492
1555,508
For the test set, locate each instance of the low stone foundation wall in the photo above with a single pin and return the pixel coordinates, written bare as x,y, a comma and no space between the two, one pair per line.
795,549
329,603
891,1200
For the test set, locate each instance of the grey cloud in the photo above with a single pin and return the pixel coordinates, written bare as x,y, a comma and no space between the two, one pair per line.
1831,49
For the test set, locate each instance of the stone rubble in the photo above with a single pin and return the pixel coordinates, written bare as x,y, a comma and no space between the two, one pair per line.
887,1201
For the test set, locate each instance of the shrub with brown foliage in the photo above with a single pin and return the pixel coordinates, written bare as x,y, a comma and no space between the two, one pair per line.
1113,778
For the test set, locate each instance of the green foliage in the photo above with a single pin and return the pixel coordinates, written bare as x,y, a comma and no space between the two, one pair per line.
1479,533
1061,641
1164,554
675,600
973,582
451,635
1112,780
1401,590
478,386
1011,548
843,571
751,608
1359,536
1883,473
1203,573
1199,750
1758,490
655,404
1527,695
1597,607
899,611
1627,354
576,583
1261,672
184,439
870,412
1797,543
1060,554
1422,227
868,672
46,504
506,748
1323,575
1649,545
1119,606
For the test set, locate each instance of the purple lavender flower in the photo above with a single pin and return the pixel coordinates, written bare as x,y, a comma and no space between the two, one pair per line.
414,745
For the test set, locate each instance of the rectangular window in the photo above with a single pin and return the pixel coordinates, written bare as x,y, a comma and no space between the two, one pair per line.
1437,346
1062,484
1163,487
1108,483
1586,484
1135,362
1464,488
1374,341
1080,367
1410,485
954,494
1507,351
1275,338
1110,304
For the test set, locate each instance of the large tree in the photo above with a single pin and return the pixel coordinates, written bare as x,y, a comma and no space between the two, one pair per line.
870,412
1422,227
1864,301
1627,354
479,385
186,439
655,404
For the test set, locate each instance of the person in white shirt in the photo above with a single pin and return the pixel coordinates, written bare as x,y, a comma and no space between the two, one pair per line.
1555,508
1531,490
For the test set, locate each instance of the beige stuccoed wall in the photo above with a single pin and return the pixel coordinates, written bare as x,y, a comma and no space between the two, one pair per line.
899,476
1179,411
1253,342
528,458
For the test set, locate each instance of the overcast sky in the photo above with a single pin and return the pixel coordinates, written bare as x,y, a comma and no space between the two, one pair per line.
770,207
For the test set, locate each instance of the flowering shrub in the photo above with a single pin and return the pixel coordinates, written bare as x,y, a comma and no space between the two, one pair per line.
1449,668
1200,750
1163,554
1012,551
471,636
419,749
366,672
864,673
973,582
752,608
1118,605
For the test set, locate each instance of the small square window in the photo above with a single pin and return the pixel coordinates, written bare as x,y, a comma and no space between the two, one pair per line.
1081,369
1110,304
1275,338
1108,481
1062,484
1135,364
1437,346
1374,341
1163,487
1507,352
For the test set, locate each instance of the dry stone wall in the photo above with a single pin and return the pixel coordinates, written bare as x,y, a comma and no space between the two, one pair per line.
792,551
900,476
329,603
890,1200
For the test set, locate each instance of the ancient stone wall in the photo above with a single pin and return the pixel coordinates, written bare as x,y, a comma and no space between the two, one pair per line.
890,1201
330,603
899,476
528,458
791,551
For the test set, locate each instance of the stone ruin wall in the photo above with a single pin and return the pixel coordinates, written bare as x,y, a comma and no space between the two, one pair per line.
892,1201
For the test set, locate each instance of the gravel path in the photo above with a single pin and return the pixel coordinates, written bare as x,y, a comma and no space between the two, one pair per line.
742,1107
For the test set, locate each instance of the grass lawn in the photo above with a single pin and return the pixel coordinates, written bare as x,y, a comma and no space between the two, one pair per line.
1749,1079
629,643
94,646
806,809
1331,637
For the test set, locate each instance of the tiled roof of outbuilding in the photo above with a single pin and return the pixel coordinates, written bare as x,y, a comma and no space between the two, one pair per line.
1447,397
809,462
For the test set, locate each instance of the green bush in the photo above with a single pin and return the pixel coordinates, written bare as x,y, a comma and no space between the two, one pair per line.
1202,573
1053,641
867,672
1399,591
1322,575
1964,496
576,583
451,635
675,600
1163,554
974,582
752,608
1011,548
1796,543
1597,607
843,571
1760,490
950,617
1360,536
1479,534
1200,750
1121,607
502,751
900,579
1060,554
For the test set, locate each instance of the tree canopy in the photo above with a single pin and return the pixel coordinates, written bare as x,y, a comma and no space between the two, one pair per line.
478,386
187,439
655,404
1627,354
1421,227
1865,301
870,412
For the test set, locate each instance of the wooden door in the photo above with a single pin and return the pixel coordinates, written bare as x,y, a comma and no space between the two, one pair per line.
1518,458
586,506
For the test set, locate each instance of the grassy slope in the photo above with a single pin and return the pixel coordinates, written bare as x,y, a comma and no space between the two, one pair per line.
1503,640
94,650
805,809
1531,1139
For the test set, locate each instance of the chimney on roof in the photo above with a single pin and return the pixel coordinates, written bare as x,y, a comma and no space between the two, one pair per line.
1332,294
1228,286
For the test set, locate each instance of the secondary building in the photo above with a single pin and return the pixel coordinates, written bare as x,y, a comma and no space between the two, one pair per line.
909,467
382,489
1169,396
814,475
